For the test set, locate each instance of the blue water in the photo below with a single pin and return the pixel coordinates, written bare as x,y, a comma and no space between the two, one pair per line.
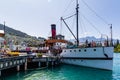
69,72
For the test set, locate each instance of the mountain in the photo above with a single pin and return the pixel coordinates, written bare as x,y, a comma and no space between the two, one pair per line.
92,38
11,31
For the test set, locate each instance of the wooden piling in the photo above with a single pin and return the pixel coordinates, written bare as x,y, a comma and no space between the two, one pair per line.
47,63
52,63
0,73
26,65
39,64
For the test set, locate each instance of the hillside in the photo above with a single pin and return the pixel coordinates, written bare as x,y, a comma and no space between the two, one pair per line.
19,37
11,31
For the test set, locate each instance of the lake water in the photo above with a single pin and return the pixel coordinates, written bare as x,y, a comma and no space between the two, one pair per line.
69,72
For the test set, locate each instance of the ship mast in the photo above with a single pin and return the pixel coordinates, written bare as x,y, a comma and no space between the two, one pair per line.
77,25
111,42
77,29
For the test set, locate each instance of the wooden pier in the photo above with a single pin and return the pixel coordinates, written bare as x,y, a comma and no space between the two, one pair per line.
7,63
49,61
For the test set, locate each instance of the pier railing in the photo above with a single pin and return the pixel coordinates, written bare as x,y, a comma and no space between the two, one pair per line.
6,63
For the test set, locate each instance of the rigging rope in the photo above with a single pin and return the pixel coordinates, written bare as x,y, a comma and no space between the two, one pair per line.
73,27
95,13
65,19
62,15
67,7
61,26
84,16
83,27
91,23
80,21
73,24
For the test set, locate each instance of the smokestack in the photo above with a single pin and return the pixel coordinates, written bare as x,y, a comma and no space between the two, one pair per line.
53,30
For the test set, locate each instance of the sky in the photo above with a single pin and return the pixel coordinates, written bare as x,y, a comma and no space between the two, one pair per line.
35,17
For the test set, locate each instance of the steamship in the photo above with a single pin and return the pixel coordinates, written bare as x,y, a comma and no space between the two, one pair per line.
93,56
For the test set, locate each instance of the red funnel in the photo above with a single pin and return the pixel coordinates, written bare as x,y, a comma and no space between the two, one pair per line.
53,29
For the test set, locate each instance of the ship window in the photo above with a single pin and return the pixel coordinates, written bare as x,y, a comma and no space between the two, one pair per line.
94,49
70,50
79,50
85,50
65,51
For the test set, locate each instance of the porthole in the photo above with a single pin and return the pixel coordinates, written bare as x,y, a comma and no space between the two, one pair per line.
65,51
94,49
79,50
85,50
70,50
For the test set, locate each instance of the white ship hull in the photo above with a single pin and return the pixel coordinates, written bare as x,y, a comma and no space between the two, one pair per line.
97,57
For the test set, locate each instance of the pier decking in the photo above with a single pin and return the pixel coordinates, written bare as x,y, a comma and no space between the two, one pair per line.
10,62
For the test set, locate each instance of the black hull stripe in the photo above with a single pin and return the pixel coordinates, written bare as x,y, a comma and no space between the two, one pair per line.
86,58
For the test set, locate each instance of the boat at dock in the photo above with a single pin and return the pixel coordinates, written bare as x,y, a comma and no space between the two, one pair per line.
90,55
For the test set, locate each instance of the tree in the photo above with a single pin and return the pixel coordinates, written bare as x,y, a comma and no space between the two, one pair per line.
117,49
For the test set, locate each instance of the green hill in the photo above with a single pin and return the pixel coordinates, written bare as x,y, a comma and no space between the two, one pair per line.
11,31
19,37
